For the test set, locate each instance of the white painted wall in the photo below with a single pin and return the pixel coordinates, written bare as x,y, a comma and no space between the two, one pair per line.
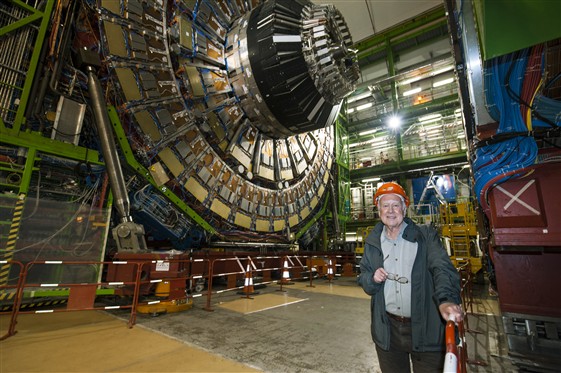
385,13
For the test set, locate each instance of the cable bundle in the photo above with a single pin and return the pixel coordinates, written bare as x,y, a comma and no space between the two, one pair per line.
513,148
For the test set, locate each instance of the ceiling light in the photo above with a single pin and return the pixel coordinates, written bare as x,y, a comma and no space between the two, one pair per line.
425,118
412,91
359,97
362,143
411,80
430,118
365,106
442,82
394,121
371,180
350,110
369,132
443,70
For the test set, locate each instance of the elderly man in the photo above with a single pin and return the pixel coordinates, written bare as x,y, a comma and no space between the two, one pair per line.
414,287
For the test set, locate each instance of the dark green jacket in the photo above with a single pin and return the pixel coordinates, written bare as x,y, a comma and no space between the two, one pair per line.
434,281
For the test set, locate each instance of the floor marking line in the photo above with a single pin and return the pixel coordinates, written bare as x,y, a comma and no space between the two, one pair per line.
277,306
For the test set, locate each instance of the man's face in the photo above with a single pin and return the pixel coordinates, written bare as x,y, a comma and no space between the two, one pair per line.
391,210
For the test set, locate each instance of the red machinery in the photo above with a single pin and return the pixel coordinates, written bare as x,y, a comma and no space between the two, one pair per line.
525,248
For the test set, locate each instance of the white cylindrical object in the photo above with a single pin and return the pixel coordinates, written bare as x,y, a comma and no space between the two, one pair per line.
450,363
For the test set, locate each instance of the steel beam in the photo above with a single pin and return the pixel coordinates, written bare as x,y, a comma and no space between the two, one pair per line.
145,174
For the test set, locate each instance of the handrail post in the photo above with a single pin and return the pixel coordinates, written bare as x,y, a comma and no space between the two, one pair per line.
209,287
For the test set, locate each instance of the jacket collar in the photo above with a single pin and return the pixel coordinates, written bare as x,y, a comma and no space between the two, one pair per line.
411,232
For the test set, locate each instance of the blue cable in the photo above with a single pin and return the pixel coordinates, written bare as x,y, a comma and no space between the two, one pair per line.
512,154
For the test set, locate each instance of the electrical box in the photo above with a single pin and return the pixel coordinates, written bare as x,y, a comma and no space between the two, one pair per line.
68,121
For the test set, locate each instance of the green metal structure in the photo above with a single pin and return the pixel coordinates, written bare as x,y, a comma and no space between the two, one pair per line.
507,26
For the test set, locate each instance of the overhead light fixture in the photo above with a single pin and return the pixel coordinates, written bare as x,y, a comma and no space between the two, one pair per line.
369,132
443,70
442,82
362,143
412,91
411,80
430,118
350,110
424,118
394,121
371,180
359,97
364,106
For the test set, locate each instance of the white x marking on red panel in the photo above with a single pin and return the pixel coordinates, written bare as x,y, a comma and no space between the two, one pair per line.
515,198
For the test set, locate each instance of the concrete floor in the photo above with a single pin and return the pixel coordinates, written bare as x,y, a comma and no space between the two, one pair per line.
303,330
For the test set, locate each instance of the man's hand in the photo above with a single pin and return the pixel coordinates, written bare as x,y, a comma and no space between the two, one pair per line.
380,275
451,311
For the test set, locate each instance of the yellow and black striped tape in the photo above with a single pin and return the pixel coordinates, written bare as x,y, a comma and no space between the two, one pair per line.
12,239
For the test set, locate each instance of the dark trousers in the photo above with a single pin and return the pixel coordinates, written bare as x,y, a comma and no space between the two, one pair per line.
397,359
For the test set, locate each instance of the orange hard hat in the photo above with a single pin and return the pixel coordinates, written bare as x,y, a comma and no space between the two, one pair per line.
391,188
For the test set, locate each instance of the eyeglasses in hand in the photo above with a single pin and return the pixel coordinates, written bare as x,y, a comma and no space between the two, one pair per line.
394,277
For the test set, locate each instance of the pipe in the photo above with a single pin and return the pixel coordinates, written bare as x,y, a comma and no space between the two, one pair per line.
256,162
334,212
108,147
293,163
276,162
14,50
249,244
64,45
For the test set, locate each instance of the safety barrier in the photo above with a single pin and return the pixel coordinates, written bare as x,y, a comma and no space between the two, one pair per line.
81,295
134,280
14,295
466,293
452,361
232,276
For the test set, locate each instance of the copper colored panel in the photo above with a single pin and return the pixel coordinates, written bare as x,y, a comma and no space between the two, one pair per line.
81,297
529,283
